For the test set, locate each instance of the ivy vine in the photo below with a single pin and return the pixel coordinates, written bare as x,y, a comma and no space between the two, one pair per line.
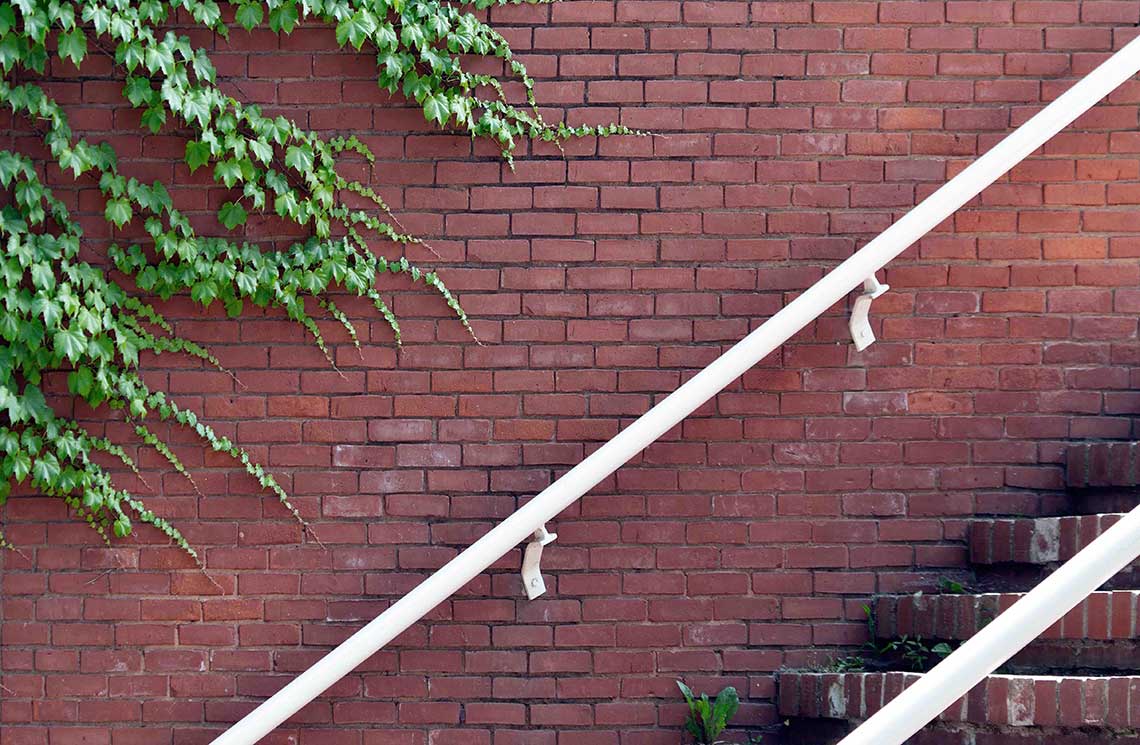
60,312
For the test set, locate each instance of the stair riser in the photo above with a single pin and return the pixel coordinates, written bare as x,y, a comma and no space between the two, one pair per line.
1102,464
999,701
1039,541
1101,616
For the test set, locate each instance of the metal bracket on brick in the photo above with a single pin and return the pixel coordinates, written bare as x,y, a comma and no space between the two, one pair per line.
860,324
531,566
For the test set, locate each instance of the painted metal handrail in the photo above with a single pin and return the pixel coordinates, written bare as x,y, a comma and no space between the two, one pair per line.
831,289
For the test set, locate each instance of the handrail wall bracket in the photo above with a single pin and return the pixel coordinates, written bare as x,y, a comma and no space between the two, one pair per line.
860,322
531,566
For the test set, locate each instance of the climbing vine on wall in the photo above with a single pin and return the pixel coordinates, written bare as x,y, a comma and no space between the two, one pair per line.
60,312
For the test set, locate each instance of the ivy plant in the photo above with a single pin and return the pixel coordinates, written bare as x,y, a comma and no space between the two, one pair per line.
61,313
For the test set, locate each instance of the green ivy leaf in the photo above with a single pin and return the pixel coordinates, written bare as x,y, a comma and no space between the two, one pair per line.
285,205
128,351
263,151
97,15
417,87
228,172
203,292
10,165
196,110
48,309
46,469
80,381
74,160
160,197
300,158
411,35
246,282
248,15
132,54
7,18
355,29
73,46
231,215
19,464
43,277
159,58
70,343
206,12
12,50
118,211
437,109
284,17
255,194
197,154
153,118
385,38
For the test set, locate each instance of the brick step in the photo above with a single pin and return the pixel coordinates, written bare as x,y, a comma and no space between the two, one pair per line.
1038,541
1102,616
999,701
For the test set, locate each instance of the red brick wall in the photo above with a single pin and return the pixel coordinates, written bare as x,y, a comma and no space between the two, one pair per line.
788,134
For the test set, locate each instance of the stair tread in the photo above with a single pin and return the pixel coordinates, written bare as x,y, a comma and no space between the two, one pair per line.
1111,701
1104,615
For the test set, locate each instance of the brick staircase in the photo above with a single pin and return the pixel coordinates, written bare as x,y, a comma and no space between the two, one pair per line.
1078,684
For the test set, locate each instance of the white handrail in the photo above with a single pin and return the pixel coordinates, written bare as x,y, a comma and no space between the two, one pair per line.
1003,637
825,293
